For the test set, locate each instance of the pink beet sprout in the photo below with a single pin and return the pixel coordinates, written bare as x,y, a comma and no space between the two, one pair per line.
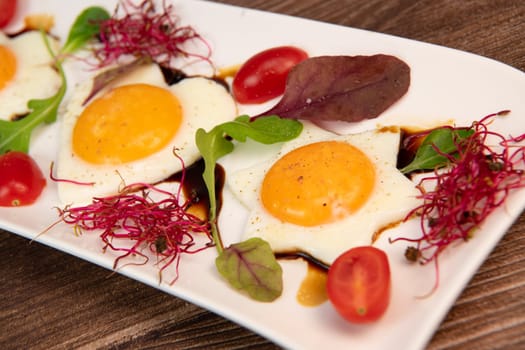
163,226
139,31
478,180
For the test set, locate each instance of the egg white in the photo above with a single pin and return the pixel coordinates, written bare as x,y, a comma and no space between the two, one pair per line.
35,78
204,102
392,198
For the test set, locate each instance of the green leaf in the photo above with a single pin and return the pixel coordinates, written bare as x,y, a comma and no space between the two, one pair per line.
213,145
16,135
251,267
266,130
430,153
85,27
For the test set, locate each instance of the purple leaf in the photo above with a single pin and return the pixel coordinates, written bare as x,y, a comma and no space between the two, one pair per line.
344,88
106,77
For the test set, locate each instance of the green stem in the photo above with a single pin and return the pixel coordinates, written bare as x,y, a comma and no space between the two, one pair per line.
209,179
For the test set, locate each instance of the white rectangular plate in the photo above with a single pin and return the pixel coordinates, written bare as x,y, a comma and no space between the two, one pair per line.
446,85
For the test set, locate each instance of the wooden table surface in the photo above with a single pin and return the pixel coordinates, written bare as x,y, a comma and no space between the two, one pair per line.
49,299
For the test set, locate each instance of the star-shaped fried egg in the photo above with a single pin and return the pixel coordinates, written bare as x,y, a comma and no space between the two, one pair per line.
323,194
129,131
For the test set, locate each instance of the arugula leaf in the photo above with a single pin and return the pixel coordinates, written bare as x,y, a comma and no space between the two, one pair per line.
85,28
250,266
212,146
267,130
16,135
440,141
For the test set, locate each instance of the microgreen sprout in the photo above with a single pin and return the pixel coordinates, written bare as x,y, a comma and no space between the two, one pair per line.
137,215
477,180
140,31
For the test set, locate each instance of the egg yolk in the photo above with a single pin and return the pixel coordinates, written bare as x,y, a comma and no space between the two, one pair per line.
318,183
7,66
128,123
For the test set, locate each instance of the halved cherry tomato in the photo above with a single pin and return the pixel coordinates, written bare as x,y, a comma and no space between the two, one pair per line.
358,284
21,180
263,76
7,11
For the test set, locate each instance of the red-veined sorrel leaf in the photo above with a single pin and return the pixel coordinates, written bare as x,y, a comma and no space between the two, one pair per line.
250,266
345,88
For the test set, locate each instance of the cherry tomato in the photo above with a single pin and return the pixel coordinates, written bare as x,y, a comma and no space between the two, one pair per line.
263,76
21,180
358,284
7,11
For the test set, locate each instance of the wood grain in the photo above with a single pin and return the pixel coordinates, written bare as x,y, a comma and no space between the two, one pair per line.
50,300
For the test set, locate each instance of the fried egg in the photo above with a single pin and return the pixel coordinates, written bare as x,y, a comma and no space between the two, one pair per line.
26,72
323,194
128,132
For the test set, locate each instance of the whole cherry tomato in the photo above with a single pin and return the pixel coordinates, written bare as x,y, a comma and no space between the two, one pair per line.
263,76
358,284
21,180
7,11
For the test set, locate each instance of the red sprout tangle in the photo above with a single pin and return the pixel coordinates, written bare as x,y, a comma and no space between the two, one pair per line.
478,180
139,31
164,226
